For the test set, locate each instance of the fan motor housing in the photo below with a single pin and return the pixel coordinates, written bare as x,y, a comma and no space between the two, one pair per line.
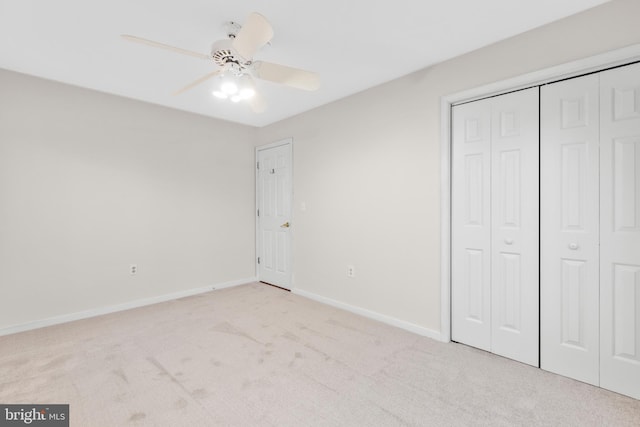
222,53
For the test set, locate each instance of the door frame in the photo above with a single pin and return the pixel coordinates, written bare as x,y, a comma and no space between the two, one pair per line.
288,142
576,68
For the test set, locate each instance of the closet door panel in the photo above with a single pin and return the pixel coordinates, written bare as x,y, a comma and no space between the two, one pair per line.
514,236
569,263
620,230
471,225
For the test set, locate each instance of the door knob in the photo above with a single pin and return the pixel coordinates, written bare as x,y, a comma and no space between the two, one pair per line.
508,241
285,225
573,246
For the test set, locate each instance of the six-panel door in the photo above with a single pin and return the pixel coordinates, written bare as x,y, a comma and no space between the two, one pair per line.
274,215
514,226
569,228
620,230
495,225
471,225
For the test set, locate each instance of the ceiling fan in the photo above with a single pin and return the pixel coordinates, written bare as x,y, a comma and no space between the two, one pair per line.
234,59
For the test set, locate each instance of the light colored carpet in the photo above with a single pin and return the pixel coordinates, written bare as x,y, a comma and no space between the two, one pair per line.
254,355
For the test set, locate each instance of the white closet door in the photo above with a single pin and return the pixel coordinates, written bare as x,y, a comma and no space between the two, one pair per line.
514,231
471,225
569,263
620,230
495,225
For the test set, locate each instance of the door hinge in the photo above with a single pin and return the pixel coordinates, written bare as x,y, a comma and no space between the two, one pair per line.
258,260
257,165
258,212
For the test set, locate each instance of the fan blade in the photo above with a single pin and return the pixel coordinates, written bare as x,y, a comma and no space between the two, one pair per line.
164,46
255,33
197,82
289,76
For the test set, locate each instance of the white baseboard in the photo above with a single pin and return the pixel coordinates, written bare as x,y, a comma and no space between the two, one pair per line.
41,323
402,324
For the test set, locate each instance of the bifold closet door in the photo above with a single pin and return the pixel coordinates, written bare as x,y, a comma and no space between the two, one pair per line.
620,230
495,166
569,225
471,224
590,229
515,234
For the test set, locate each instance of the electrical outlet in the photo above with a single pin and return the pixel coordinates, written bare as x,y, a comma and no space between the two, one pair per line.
351,271
133,269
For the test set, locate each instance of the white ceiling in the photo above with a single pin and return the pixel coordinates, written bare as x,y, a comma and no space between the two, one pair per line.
352,44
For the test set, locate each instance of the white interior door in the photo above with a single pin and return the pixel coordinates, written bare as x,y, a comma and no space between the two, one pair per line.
471,224
620,230
494,277
569,256
273,225
514,226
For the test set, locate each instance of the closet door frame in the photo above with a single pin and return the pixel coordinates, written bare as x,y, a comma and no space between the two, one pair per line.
572,69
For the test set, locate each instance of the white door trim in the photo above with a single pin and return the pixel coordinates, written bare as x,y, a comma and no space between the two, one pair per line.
570,69
289,142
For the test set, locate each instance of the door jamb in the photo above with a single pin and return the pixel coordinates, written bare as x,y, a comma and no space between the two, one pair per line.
289,142
576,68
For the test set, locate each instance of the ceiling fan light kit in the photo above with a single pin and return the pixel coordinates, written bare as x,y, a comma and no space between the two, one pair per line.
235,89
236,68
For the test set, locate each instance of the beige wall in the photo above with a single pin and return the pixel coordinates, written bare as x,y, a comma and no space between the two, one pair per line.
367,168
90,183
